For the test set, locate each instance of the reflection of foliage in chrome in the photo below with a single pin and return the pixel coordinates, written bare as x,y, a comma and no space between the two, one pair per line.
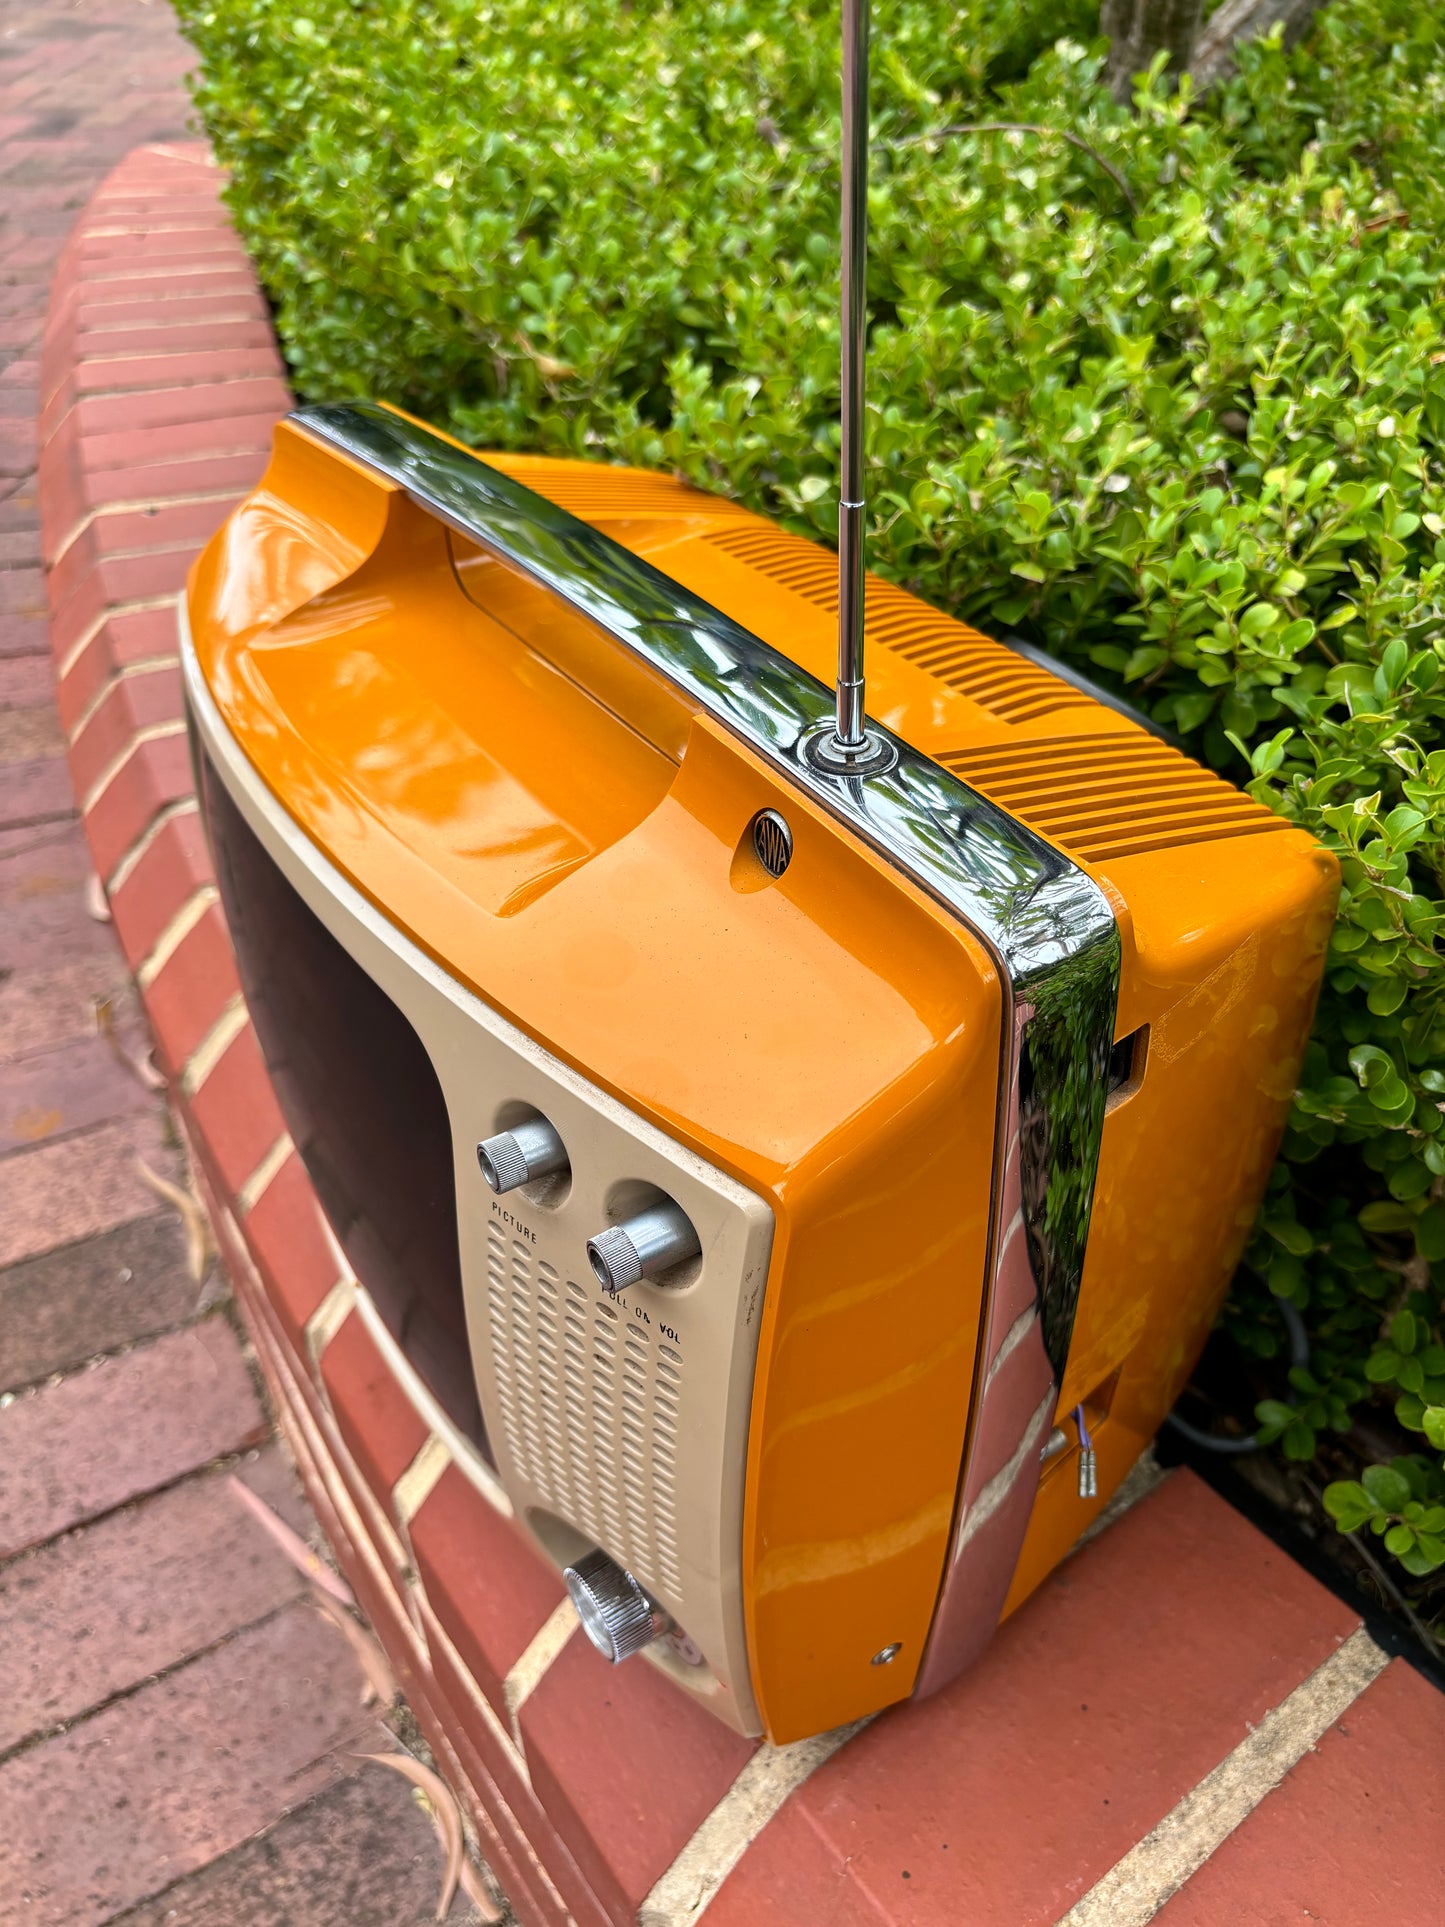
1063,1084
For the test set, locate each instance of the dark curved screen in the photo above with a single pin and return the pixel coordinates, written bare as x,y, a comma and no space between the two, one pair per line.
362,1102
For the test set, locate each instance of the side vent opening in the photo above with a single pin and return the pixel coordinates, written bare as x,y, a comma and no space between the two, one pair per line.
362,1103
1126,1066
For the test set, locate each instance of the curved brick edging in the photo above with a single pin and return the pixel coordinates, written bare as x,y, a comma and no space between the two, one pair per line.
1072,1756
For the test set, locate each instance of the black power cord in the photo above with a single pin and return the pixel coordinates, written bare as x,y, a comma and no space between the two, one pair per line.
1299,1355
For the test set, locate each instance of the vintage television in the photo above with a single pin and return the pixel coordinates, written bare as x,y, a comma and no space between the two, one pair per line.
793,1158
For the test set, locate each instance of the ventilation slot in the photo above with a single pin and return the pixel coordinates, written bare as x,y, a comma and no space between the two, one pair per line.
590,1409
986,671
1101,797
593,492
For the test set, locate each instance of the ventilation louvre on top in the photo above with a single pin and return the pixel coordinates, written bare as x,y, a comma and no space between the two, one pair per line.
596,493
1109,796
1098,797
987,671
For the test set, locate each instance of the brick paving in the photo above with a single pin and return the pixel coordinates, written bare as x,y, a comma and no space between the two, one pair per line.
177,1723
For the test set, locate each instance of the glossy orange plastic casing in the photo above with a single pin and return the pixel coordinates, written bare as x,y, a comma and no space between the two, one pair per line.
556,826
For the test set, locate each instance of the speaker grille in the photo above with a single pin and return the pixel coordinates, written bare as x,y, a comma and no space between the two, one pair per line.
590,1407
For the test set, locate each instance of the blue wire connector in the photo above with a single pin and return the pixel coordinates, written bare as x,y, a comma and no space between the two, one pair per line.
1088,1465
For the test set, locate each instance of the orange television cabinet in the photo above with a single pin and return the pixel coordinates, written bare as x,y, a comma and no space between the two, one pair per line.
796,1195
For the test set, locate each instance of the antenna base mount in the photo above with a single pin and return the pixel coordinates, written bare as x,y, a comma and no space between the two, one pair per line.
824,750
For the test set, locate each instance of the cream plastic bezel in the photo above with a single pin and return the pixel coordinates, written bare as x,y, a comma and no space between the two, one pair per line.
486,1065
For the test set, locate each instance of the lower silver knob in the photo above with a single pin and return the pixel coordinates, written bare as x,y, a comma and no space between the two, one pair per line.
617,1615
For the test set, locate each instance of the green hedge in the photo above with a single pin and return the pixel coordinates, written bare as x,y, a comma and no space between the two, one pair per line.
1171,401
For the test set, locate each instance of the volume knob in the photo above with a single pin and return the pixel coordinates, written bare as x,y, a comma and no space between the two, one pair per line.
617,1615
652,1242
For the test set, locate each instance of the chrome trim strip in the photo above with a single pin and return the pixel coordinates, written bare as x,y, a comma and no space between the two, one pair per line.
1046,921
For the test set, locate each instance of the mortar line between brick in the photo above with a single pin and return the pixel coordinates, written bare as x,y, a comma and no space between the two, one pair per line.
50,833
170,940
254,1189
328,1318
418,1481
145,1908
88,635
150,329
218,1039
183,806
163,354
153,1678
212,1468
68,1134
147,394
132,318
29,1387
185,153
39,820
137,227
1136,1887
469,1462
248,295
119,353
182,545
147,666
140,456
532,1667
773,1773
142,505
221,263
118,186
153,733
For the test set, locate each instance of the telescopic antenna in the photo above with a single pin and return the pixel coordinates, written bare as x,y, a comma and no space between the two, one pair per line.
850,747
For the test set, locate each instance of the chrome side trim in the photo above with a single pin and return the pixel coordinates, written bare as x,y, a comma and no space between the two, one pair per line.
1046,921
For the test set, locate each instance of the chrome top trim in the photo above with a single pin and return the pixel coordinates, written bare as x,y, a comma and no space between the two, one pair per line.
1046,921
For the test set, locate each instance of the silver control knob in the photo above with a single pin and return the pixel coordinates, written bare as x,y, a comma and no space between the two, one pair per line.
617,1615
533,1150
643,1246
